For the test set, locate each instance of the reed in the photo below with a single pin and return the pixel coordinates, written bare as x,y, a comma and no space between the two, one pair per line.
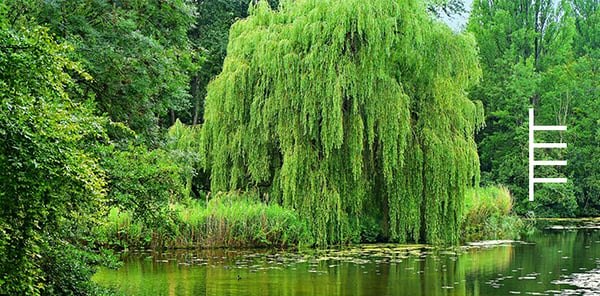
236,219
226,220
488,215
120,230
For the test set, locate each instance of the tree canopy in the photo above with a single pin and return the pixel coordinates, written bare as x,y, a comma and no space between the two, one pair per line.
348,109
137,52
539,54
48,178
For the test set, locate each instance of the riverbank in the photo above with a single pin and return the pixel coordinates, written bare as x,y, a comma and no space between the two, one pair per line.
244,221
227,220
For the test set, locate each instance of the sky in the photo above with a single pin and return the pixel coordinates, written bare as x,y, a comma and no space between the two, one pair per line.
458,22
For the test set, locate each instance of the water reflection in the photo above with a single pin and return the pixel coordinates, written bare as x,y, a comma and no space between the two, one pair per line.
547,263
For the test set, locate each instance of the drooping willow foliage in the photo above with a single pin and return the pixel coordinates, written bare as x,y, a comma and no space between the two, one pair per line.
346,109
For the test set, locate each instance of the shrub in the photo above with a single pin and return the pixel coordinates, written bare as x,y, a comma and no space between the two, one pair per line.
488,214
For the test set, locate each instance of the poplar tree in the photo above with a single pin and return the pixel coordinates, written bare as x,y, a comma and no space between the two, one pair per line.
348,109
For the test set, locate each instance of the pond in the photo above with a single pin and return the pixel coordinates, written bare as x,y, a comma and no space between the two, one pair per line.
562,260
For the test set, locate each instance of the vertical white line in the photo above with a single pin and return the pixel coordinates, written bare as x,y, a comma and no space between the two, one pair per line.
531,154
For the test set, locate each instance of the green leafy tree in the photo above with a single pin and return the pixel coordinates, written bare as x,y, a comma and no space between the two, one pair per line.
538,54
182,145
143,181
519,41
348,109
586,18
447,7
137,51
49,181
571,98
210,35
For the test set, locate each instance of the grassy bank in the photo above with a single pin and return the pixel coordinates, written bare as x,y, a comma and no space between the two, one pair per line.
227,220
242,220
488,215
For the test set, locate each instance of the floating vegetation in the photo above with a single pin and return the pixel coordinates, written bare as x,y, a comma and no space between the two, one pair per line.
530,276
570,227
587,283
318,259
490,243
567,223
486,268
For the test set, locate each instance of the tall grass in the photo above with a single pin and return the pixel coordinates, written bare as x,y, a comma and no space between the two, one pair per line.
226,220
121,230
488,215
237,219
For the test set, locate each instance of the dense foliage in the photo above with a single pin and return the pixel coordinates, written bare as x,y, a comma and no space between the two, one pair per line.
210,35
544,55
341,109
325,121
60,164
138,53
48,178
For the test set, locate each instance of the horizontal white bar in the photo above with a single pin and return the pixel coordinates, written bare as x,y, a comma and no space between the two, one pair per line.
549,180
549,145
549,162
549,127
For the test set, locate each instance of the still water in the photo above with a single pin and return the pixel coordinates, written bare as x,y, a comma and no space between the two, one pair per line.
561,261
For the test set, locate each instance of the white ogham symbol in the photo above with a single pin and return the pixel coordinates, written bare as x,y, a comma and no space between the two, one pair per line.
533,145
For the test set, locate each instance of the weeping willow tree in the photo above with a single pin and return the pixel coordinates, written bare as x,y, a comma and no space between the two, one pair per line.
348,109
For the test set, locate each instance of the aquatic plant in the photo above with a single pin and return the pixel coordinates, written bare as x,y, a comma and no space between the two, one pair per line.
238,220
227,220
488,215
347,109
